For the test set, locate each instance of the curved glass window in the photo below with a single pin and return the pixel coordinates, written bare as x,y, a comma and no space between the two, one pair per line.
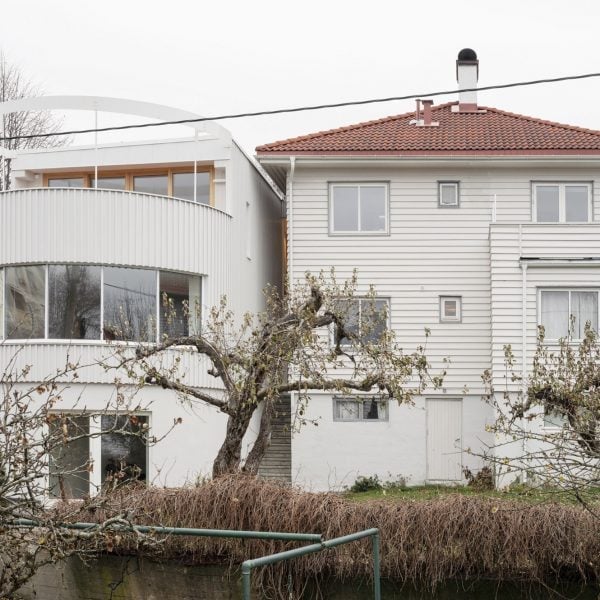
25,299
87,302
74,302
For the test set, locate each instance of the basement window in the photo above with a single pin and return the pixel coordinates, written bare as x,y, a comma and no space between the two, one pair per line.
115,442
360,409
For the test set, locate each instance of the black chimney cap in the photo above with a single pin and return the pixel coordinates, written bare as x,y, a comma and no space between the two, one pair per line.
467,54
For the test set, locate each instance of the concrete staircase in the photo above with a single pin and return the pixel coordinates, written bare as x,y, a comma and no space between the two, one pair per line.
277,462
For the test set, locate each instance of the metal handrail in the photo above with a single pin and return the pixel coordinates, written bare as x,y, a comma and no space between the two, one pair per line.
250,564
270,559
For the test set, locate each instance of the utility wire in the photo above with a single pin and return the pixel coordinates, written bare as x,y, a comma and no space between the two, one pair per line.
296,109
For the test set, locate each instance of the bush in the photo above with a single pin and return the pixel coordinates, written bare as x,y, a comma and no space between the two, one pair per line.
366,484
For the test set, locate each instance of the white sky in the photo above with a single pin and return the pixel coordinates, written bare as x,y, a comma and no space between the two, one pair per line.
229,56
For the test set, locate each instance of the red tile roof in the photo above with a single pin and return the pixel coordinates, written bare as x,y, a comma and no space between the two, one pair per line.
489,132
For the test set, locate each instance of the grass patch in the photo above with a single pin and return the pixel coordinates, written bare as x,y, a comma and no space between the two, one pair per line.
421,493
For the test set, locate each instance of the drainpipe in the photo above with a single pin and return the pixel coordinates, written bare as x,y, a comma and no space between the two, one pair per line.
524,354
290,228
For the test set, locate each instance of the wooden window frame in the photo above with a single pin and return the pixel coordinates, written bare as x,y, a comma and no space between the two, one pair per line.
129,174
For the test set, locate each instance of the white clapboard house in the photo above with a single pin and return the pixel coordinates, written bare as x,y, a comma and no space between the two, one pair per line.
86,231
472,221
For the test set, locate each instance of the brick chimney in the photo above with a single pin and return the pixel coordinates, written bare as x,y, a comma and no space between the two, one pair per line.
467,75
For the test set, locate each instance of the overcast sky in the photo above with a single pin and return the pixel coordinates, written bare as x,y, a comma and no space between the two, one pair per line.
230,56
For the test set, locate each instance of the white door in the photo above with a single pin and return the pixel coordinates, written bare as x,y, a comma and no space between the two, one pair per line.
444,439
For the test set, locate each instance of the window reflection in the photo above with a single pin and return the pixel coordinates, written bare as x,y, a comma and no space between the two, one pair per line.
25,302
151,184
84,302
67,182
183,186
109,183
179,304
129,304
123,456
68,462
74,302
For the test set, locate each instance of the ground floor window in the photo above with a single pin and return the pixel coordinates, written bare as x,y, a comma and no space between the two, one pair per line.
98,450
360,409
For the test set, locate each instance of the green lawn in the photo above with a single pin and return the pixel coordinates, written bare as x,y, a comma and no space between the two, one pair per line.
431,492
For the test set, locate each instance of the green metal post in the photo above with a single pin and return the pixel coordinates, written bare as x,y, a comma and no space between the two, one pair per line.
376,566
246,570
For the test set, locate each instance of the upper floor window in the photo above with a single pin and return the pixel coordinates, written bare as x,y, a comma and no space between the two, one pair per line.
562,202
358,208
68,182
84,302
448,193
450,309
564,309
178,182
365,319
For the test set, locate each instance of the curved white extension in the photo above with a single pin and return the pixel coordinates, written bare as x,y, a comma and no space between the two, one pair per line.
113,105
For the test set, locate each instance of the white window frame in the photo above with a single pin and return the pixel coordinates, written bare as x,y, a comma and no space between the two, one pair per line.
564,289
453,184
95,450
360,299
561,201
548,425
360,400
359,185
444,318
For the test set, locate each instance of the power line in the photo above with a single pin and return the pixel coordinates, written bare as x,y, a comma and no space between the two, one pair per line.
301,108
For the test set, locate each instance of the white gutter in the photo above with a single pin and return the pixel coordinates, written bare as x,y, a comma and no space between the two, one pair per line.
290,203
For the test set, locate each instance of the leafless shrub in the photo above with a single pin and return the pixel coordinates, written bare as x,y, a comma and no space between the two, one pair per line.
424,543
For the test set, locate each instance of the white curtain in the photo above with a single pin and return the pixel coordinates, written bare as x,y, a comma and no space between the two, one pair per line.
555,314
584,308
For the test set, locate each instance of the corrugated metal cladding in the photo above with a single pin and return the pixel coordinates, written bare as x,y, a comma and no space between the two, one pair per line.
45,358
113,227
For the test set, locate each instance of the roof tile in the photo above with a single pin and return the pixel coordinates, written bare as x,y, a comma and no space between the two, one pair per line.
489,131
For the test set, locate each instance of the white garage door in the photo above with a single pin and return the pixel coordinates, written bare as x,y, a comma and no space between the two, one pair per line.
444,439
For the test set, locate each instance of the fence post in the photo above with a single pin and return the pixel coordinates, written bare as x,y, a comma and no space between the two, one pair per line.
246,570
376,567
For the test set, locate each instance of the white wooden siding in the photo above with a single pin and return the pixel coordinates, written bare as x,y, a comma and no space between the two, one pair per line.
432,251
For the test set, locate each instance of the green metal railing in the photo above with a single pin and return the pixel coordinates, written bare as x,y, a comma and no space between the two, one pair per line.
248,565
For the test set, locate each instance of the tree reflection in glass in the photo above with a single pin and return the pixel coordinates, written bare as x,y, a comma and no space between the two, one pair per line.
129,304
180,297
74,302
25,302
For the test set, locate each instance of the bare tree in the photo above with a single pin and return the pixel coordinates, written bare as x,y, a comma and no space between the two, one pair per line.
45,460
13,86
310,340
548,426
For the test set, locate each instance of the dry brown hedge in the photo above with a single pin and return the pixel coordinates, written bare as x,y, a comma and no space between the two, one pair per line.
422,542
